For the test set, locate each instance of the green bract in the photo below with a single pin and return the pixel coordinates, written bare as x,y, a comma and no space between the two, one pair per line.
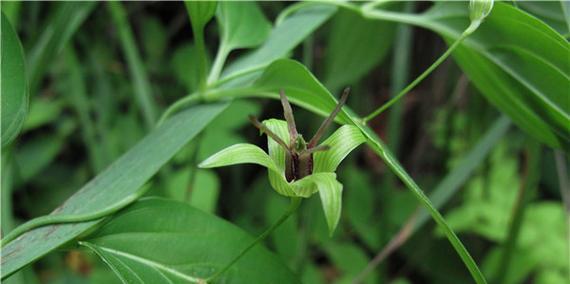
323,179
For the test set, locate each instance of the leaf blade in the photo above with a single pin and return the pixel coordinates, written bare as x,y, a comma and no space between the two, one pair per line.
152,236
14,84
139,164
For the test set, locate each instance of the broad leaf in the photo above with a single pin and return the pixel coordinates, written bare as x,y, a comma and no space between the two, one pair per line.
163,241
551,12
119,180
311,94
283,38
520,64
243,25
200,12
300,86
14,85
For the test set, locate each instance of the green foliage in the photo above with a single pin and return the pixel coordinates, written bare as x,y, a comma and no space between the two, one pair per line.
14,84
140,163
93,125
486,210
150,241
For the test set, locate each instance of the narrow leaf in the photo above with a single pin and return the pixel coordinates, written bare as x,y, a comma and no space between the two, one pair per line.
283,38
522,72
58,32
143,90
14,90
119,180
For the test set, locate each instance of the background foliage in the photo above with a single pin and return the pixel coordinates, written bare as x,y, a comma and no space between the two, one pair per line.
85,90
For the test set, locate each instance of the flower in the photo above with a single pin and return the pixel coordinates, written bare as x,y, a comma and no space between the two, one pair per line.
323,177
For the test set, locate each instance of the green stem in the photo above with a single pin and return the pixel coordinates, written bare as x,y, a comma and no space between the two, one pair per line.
420,78
219,62
295,202
71,218
524,195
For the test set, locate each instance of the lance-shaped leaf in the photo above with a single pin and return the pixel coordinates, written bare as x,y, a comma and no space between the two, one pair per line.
14,86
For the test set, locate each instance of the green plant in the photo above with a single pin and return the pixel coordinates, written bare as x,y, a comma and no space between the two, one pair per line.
114,147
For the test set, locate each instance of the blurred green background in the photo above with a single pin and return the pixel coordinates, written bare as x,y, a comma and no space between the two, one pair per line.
83,115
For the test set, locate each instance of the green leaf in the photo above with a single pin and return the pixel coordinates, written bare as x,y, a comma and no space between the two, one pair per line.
14,85
184,56
311,95
162,241
300,86
283,38
142,87
522,72
341,142
243,25
355,45
551,12
205,191
57,33
200,12
119,180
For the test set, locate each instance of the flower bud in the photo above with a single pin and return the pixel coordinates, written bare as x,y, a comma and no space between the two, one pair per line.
479,9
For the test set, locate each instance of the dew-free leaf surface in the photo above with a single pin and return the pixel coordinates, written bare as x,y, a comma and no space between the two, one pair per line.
121,179
165,241
14,83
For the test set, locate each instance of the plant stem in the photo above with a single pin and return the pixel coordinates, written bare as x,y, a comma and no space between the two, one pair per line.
219,62
295,202
525,193
420,78
400,74
564,185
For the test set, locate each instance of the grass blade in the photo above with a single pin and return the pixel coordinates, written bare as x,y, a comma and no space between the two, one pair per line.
143,90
